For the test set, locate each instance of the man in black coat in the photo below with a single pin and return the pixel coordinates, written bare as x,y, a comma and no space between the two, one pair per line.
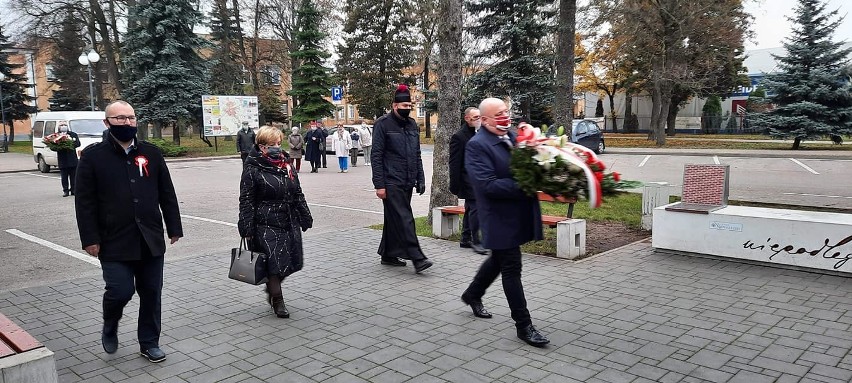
67,161
245,141
397,169
460,183
510,218
122,185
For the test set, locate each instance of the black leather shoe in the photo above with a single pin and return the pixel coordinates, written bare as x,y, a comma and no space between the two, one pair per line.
533,338
421,265
479,310
279,308
464,245
154,354
478,249
393,262
109,338
66,194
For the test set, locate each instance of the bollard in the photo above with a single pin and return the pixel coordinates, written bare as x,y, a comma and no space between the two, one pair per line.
444,225
571,238
654,194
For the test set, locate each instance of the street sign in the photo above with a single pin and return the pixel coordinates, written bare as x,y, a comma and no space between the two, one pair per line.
337,93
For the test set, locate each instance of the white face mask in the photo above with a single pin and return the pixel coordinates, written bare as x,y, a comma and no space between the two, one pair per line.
63,129
477,124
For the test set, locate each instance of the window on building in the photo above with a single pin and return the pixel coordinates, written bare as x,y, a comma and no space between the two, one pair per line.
421,110
340,113
48,73
246,78
285,108
273,74
351,112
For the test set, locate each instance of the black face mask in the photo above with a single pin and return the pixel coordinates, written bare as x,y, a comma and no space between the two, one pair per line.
404,113
122,133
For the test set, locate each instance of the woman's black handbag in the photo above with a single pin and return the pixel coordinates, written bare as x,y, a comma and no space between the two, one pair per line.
247,266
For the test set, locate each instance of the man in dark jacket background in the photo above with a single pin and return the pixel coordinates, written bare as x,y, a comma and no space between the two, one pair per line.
122,185
509,217
67,161
397,169
460,182
245,141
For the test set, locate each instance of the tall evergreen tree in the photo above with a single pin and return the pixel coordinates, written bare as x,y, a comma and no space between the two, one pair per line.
376,48
813,98
311,80
16,102
72,78
226,71
166,76
521,69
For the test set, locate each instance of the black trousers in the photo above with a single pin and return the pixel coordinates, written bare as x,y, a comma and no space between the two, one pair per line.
243,155
508,263
399,236
67,175
146,277
470,222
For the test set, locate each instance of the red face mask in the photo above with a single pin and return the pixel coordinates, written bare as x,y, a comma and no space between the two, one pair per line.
502,122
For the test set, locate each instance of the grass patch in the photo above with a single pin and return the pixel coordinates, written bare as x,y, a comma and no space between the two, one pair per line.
623,207
24,147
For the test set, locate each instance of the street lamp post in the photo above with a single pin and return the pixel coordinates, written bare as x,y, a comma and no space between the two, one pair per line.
88,59
3,111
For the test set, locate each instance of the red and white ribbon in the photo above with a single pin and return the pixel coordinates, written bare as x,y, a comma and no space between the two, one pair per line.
142,163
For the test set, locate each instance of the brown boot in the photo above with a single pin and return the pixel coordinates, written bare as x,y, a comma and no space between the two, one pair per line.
278,307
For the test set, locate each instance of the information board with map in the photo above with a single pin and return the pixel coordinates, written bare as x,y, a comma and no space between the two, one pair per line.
224,115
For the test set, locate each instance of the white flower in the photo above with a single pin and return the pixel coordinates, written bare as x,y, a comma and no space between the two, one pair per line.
545,158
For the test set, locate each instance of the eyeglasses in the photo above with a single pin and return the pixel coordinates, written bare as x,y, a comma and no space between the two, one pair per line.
123,118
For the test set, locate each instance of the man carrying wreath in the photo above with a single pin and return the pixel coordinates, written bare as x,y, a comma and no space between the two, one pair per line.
123,185
508,217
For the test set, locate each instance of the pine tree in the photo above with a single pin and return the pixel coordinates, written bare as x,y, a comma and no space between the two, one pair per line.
377,47
71,77
225,72
16,102
311,80
521,70
813,98
166,76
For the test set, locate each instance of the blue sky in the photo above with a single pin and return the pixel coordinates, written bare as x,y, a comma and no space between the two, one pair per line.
771,27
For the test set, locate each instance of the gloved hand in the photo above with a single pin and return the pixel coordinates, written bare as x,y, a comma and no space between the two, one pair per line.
420,188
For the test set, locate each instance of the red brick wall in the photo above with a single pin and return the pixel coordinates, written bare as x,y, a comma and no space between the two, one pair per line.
705,184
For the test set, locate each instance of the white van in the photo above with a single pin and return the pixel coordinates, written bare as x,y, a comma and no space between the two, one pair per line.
89,126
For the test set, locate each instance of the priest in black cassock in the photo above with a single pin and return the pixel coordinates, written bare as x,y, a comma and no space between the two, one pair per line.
397,172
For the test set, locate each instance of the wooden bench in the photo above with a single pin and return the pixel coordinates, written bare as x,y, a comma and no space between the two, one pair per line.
570,237
549,220
23,358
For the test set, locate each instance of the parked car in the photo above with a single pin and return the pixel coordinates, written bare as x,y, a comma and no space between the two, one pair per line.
588,134
333,130
585,132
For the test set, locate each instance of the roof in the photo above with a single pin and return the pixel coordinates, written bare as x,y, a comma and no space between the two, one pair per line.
761,61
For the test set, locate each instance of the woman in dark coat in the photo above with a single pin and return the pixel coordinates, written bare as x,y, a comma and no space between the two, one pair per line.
273,211
314,142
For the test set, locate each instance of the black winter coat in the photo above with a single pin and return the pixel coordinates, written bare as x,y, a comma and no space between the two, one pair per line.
396,153
272,212
459,180
118,208
245,141
314,144
67,159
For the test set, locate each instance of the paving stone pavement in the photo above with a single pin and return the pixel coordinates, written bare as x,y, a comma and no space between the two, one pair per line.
630,315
